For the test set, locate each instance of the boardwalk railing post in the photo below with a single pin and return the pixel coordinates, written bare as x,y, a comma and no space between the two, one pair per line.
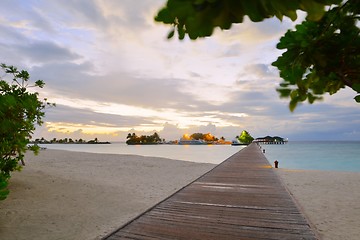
276,163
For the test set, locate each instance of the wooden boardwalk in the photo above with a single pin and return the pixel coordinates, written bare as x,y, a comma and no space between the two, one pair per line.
242,198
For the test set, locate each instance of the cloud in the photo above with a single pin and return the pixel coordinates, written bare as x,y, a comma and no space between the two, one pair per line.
74,81
251,33
194,75
25,16
234,50
9,35
46,52
262,70
66,114
110,68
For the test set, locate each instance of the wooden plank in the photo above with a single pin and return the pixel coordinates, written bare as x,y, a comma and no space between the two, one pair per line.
242,198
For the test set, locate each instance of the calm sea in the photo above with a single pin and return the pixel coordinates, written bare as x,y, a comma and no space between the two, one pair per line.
193,153
333,156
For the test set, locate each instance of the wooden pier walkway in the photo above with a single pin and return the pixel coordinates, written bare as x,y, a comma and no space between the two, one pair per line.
242,198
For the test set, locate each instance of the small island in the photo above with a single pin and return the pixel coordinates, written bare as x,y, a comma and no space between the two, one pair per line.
186,139
133,139
202,139
244,139
67,141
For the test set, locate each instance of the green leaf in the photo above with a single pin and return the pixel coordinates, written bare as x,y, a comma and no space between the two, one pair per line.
165,16
3,194
40,83
23,75
3,187
292,15
357,98
356,87
292,105
294,94
171,34
254,10
199,1
181,33
315,10
284,84
284,93
3,184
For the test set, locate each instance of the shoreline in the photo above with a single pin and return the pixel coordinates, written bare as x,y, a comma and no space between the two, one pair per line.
62,194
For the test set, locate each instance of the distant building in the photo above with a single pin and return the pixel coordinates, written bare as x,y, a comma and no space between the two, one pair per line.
271,140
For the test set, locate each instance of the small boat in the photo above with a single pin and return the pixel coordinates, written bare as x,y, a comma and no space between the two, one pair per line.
191,142
236,142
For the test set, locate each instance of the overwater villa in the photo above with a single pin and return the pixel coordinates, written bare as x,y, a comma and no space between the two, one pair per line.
271,140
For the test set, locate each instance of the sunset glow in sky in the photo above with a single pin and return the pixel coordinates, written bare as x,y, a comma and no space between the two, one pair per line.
110,69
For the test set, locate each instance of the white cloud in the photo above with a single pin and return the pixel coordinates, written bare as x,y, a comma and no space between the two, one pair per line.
109,67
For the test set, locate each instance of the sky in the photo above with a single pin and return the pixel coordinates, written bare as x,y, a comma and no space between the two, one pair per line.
111,71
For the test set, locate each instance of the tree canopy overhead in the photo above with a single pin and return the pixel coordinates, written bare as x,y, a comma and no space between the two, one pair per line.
322,53
199,18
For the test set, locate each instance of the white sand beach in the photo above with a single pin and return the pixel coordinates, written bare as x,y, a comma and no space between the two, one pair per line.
330,200
73,195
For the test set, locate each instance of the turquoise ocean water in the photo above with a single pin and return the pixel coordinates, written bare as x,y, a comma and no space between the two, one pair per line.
332,156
